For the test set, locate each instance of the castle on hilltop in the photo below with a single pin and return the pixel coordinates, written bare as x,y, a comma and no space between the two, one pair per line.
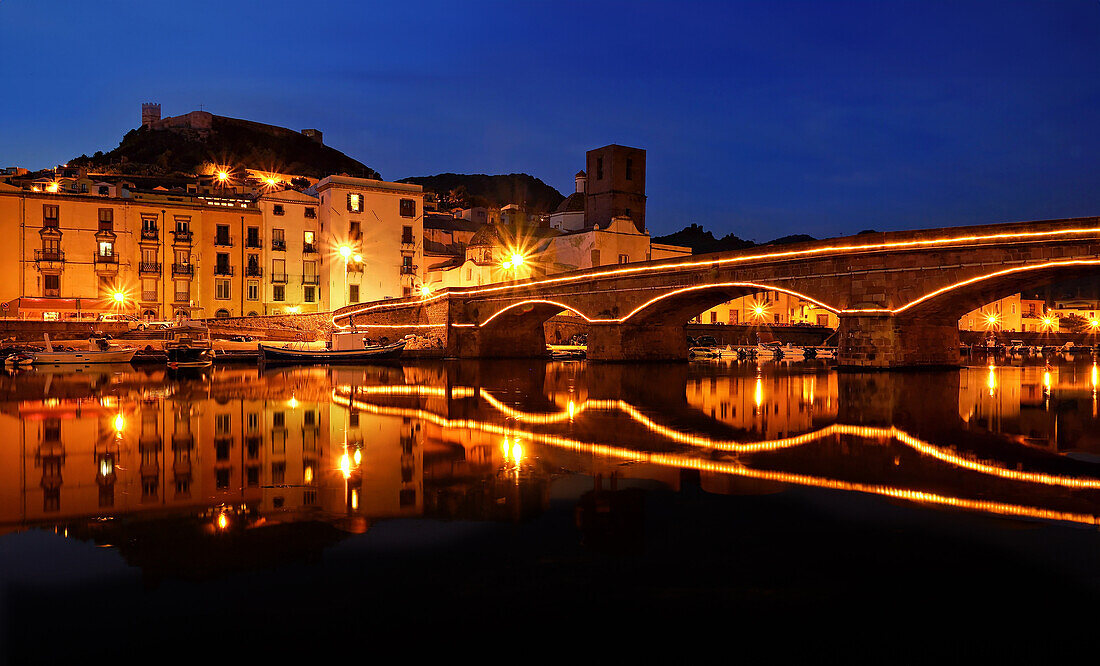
201,122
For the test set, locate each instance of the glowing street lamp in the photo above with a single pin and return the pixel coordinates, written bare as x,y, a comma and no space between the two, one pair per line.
425,291
992,320
120,298
1048,323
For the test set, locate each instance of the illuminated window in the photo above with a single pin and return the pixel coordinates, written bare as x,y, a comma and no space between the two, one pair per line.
355,203
106,249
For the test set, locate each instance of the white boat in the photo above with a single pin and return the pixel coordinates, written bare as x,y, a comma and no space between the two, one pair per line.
776,350
102,355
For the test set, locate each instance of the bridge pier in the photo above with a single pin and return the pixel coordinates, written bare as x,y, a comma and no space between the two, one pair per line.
883,341
632,342
522,338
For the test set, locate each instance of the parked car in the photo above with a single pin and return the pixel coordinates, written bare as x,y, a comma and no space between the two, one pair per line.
706,341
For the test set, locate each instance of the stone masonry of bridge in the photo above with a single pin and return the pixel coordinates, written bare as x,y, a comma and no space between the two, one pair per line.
899,295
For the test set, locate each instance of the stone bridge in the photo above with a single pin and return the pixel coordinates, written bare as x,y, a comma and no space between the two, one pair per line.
899,295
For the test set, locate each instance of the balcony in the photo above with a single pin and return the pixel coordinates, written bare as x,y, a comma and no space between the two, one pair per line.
278,277
182,297
311,279
408,270
182,237
309,248
223,241
150,234
223,270
183,270
49,255
253,243
149,296
278,244
253,271
149,268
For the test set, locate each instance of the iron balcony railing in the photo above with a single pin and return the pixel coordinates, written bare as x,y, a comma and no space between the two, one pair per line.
278,277
309,248
49,255
311,279
223,270
278,244
106,259
150,234
254,243
253,271
183,236
183,269
149,267
225,241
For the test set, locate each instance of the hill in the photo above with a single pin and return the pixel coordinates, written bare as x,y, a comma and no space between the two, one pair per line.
701,241
230,141
456,189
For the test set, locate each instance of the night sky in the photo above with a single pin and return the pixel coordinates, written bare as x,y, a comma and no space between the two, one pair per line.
761,119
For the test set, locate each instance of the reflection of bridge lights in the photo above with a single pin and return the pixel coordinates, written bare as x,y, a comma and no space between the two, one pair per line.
758,393
106,466
1095,377
1046,381
345,465
354,499
992,381
573,406
222,521
120,423
357,457
293,402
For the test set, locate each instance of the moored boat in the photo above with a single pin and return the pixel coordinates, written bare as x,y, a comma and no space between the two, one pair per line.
189,346
270,354
105,354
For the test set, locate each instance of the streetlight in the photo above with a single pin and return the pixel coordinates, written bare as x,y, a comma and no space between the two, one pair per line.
345,252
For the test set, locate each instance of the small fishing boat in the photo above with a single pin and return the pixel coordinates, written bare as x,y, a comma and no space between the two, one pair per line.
104,354
776,350
189,346
288,354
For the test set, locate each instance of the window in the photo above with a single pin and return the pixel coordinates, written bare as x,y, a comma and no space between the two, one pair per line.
221,235
278,420
183,225
822,320
106,219
221,289
50,215
183,291
253,290
406,235
148,290
355,203
104,190
253,237
278,270
278,293
147,256
149,227
353,230
624,259
278,240
51,285
599,168
308,242
734,316
713,316
106,249
629,168
277,209
309,294
309,272
407,208
595,258
222,265
406,292
311,212
353,293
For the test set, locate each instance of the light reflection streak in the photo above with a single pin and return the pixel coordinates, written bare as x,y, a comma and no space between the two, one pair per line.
763,446
733,468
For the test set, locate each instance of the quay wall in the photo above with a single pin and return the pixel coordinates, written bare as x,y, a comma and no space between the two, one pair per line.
23,330
561,328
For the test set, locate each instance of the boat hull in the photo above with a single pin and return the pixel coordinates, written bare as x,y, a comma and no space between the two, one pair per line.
84,357
287,355
189,357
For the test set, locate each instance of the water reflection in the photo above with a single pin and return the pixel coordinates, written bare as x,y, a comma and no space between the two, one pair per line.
235,450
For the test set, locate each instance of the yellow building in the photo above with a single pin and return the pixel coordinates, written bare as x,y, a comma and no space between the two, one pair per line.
769,308
373,239
1011,314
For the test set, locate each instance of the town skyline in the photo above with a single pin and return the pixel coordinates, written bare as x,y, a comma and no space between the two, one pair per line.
930,116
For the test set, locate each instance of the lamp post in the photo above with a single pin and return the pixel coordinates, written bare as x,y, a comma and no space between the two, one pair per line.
345,252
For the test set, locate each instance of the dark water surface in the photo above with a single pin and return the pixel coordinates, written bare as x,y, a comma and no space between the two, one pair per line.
305,511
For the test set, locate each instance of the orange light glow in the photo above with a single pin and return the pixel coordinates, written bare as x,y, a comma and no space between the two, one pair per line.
222,521
53,187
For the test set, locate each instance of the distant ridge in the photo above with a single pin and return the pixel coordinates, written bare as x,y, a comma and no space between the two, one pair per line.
465,190
702,241
230,141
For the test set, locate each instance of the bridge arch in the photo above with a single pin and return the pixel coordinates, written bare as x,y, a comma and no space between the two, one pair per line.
953,301
678,306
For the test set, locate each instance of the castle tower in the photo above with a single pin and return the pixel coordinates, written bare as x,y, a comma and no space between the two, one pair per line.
150,113
615,185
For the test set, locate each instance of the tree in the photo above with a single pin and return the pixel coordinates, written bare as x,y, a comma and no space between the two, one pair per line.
1074,323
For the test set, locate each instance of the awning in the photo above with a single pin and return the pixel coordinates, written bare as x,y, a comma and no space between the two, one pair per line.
29,303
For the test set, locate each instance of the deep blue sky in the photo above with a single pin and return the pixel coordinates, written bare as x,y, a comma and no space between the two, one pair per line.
760,118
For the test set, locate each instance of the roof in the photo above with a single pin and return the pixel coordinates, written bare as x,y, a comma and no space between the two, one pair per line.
574,203
581,174
450,223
